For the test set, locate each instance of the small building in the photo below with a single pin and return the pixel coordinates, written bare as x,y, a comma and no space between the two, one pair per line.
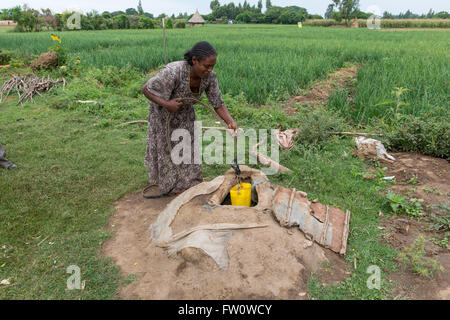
7,23
196,20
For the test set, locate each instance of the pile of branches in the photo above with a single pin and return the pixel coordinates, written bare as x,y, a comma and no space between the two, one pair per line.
28,85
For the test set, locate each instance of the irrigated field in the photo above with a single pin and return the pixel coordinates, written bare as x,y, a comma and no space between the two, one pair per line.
75,160
276,61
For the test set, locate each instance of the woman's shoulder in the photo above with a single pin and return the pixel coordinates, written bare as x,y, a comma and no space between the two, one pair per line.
176,65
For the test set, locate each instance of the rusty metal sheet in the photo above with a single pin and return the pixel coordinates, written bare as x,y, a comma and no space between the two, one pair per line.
326,225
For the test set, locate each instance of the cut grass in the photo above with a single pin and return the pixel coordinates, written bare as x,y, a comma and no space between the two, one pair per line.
54,208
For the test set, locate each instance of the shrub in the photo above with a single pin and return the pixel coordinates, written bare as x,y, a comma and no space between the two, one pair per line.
427,136
180,25
5,57
315,126
169,23
114,77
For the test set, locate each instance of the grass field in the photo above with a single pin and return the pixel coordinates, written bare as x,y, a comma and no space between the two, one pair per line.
277,61
75,161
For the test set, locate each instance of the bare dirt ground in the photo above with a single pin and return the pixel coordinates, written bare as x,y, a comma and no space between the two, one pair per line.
320,91
266,263
427,178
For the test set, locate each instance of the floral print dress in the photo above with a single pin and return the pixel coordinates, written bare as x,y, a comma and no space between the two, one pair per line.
170,83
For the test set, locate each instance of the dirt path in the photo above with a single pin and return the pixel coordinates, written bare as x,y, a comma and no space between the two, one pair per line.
427,178
320,91
266,263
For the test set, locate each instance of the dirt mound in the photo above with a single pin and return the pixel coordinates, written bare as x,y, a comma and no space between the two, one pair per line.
45,60
264,263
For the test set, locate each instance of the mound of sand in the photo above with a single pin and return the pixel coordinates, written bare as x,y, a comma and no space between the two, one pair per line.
264,263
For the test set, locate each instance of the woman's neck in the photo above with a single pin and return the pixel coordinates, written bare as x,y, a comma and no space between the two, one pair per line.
193,75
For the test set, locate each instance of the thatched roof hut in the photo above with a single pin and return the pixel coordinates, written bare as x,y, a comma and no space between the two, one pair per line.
196,20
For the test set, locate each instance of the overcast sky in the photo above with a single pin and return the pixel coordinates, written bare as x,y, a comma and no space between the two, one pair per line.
157,7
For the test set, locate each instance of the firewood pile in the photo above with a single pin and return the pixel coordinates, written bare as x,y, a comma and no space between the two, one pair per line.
29,85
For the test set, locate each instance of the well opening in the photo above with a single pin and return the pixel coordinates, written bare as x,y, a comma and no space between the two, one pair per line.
254,197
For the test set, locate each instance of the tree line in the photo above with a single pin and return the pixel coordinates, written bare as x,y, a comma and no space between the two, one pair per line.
29,19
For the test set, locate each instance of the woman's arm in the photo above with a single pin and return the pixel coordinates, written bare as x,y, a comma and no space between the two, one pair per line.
171,105
225,115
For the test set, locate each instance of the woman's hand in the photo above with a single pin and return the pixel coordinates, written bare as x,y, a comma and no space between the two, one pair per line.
173,105
232,125
233,128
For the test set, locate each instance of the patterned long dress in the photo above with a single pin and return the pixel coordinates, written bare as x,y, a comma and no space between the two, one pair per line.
170,83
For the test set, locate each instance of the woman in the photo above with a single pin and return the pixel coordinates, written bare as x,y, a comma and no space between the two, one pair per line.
180,79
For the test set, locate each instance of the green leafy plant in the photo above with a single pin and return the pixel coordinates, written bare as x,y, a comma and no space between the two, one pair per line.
442,242
396,104
401,205
413,180
414,257
60,51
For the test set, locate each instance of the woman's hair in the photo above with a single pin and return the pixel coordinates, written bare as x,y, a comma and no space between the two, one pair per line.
201,50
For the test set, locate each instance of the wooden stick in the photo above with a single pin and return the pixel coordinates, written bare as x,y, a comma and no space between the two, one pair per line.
132,122
266,161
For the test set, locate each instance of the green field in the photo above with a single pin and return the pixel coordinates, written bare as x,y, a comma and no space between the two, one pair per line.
277,61
75,161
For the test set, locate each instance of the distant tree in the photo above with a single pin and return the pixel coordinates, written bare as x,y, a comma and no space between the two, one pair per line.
337,15
387,15
131,11
273,15
430,14
214,5
268,5
243,17
5,14
315,16
106,15
260,5
117,13
169,23
362,15
442,15
121,22
145,23
288,17
48,19
148,15
349,10
27,19
329,11
140,11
